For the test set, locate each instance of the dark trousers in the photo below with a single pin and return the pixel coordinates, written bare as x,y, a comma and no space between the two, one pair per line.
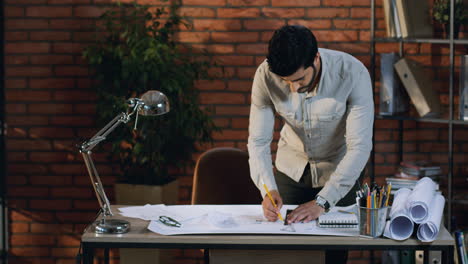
301,192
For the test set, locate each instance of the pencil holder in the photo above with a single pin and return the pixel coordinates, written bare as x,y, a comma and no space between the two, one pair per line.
372,221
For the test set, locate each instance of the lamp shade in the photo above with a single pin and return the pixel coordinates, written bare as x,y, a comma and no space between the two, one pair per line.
155,103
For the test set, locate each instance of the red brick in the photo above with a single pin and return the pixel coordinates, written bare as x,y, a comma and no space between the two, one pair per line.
16,60
237,37
360,12
48,11
68,240
248,2
215,49
346,3
239,86
84,108
50,108
52,83
283,12
235,60
261,48
75,96
313,24
193,37
23,144
19,2
50,157
27,47
70,24
19,96
263,24
246,72
204,2
28,71
64,252
14,11
18,156
17,179
54,204
16,35
62,2
214,24
231,135
50,35
295,3
30,251
19,228
47,228
197,12
26,24
386,147
232,110
76,217
240,123
210,85
222,98
15,108
238,12
73,121
329,35
27,191
31,240
86,204
51,59
327,12
351,24
15,83
72,169
88,11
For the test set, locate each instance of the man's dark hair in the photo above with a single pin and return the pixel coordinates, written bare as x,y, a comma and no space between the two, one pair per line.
290,48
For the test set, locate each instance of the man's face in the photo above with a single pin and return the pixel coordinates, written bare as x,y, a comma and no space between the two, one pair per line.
301,80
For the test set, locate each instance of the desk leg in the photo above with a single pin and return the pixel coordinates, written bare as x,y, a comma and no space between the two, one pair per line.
426,257
106,255
447,255
206,254
88,255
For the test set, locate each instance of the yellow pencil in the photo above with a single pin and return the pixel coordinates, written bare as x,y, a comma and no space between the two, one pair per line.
272,201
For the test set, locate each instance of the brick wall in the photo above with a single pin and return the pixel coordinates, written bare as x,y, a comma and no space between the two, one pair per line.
50,104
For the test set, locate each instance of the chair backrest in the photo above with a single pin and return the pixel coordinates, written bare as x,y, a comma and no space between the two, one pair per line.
222,176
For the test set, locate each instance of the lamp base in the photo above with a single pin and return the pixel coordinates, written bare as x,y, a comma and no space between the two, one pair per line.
111,226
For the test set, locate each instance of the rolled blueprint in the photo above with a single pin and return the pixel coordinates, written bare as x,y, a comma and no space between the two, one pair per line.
420,200
428,231
400,226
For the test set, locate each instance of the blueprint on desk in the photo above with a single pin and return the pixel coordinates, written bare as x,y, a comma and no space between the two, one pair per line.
228,219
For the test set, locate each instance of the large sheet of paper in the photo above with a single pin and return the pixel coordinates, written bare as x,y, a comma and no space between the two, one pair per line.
229,219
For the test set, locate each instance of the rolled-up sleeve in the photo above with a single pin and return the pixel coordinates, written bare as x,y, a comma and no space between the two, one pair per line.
359,124
261,124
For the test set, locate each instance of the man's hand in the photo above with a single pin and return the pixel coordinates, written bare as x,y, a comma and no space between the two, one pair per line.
305,212
269,211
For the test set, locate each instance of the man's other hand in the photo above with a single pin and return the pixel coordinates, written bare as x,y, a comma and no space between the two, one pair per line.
305,213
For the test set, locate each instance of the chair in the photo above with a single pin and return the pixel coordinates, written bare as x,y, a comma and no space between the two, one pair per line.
222,176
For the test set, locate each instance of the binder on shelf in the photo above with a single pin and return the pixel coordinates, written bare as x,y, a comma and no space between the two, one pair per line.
464,88
389,19
414,18
393,98
419,87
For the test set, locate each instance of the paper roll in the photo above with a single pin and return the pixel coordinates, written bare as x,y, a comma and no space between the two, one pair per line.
428,231
420,199
400,226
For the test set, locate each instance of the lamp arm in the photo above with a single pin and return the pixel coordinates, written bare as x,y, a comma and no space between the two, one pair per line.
87,146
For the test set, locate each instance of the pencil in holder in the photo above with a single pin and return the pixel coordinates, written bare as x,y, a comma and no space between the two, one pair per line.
372,221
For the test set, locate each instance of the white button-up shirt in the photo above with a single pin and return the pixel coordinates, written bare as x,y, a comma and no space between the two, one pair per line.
330,128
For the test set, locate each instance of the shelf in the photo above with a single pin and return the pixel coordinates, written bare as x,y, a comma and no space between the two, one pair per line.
422,40
422,119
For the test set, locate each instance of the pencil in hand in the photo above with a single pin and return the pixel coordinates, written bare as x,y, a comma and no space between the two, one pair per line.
272,201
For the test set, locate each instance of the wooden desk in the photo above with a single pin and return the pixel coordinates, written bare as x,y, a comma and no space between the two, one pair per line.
140,237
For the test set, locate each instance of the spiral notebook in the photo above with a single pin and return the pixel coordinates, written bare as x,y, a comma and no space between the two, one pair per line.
338,219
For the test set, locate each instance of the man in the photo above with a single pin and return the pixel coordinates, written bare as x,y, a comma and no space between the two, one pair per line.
325,99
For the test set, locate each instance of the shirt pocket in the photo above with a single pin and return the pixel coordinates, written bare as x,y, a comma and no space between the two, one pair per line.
327,115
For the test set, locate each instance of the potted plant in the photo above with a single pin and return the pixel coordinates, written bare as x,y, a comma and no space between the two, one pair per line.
136,52
441,14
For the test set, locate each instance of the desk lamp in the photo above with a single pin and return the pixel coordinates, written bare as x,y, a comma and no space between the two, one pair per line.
151,103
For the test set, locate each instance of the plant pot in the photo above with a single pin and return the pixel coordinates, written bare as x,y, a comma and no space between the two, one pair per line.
136,194
456,30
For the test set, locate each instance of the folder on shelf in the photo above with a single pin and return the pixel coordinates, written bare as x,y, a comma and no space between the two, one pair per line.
393,98
414,18
419,87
